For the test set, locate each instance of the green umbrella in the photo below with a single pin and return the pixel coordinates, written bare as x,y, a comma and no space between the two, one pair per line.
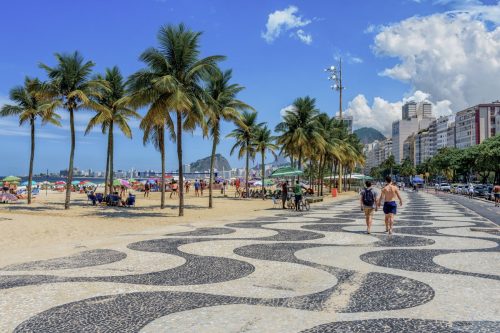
11,179
132,180
286,172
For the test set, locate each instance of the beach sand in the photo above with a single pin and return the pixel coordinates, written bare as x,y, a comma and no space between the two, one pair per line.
46,230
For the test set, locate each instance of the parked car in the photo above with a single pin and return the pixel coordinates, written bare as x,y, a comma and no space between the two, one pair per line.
480,190
445,187
453,188
460,189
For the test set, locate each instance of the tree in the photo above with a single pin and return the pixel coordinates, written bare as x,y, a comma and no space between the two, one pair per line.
114,111
222,106
175,73
244,134
299,129
407,169
33,101
264,142
70,80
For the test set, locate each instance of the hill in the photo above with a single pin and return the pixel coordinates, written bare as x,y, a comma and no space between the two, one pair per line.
368,135
203,164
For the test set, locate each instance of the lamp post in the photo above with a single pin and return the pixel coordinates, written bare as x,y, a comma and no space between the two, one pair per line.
335,75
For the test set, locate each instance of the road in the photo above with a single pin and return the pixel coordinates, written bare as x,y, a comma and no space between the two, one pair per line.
486,209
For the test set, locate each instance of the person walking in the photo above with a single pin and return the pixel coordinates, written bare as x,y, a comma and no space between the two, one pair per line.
297,191
197,188
368,200
284,193
147,188
389,193
496,193
471,191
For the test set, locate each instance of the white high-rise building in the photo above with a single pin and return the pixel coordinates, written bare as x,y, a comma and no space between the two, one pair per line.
424,110
401,130
409,110
441,132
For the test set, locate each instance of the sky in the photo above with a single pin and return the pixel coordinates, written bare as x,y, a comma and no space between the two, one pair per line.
443,51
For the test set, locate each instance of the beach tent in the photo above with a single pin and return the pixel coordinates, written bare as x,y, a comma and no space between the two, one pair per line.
286,172
11,179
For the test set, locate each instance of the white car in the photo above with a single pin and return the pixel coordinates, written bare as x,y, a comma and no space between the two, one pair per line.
444,187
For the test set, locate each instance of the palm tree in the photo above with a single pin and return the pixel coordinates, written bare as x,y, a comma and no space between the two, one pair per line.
70,79
175,74
244,134
154,132
114,111
33,101
299,129
222,105
264,142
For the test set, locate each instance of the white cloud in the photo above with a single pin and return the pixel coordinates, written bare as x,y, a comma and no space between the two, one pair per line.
454,56
285,20
304,37
348,57
289,108
382,113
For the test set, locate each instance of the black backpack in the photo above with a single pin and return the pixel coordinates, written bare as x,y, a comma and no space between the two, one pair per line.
368,197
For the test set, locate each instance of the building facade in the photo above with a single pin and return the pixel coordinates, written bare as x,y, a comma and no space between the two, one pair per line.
409,110
475,124
441,132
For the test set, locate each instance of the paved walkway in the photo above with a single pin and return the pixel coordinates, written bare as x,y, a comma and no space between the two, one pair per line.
311,272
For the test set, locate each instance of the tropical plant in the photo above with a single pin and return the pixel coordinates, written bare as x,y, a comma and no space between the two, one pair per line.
263,142
172,82
299,130
114,111
244,133
222,106
33,101
70,80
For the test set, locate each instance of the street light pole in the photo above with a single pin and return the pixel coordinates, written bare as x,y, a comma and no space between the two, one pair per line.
335,75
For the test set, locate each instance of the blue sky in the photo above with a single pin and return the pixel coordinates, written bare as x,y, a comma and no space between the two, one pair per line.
274,70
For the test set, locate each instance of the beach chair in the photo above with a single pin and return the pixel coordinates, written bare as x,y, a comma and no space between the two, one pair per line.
99,197
91,198
131,200
114,200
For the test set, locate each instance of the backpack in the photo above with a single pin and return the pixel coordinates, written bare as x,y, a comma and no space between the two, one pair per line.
368,198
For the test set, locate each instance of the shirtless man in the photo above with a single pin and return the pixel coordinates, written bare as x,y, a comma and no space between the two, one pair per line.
389,193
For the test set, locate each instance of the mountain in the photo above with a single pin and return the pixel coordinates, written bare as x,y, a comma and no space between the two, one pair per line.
368,135
203,164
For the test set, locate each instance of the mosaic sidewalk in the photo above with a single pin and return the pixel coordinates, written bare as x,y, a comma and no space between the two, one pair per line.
293,272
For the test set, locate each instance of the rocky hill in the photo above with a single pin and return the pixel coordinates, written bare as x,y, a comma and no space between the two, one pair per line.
368,135
203,164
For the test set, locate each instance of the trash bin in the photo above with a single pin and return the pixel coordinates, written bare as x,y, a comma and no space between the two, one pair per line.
334,192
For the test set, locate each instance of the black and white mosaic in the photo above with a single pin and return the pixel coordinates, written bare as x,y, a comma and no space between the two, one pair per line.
356,292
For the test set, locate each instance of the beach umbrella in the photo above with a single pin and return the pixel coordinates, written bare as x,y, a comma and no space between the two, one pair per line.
26,183
89,184
60,182
75,182
11,179
286,172
84,182
120,182
132,180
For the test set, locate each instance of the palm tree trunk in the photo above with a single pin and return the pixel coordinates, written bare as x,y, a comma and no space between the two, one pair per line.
340,177
247,167
263,173
106,176
179,157
330,167
32,158
111,156
71,157
321,166
162,153
212,165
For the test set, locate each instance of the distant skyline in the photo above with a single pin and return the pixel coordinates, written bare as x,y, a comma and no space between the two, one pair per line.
444,51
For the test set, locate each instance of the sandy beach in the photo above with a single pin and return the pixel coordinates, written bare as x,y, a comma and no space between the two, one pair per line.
45,230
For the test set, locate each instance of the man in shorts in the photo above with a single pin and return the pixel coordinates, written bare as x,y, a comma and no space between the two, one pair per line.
389,193
368,200
496,193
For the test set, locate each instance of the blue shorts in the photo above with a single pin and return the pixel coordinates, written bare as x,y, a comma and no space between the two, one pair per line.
390,207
